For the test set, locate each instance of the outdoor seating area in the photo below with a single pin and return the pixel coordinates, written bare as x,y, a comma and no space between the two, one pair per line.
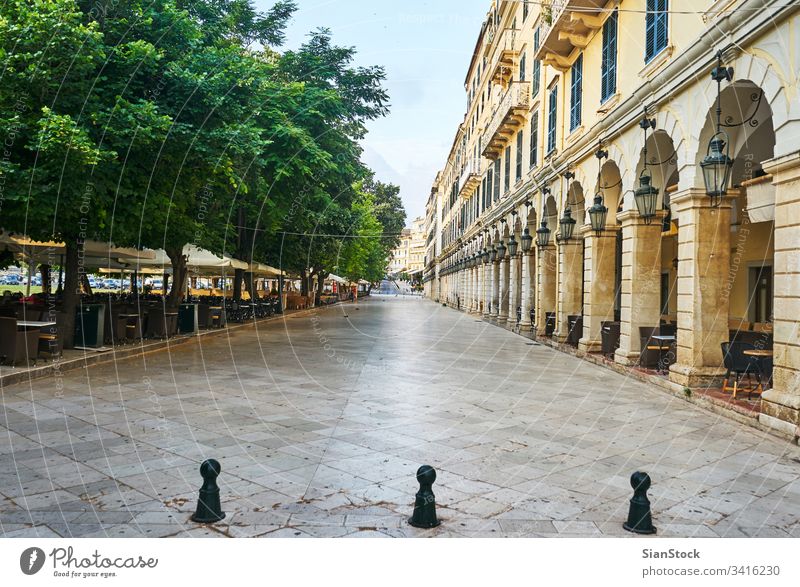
32,329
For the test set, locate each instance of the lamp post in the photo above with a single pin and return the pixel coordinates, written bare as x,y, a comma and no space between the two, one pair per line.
598,212
717,163
646,195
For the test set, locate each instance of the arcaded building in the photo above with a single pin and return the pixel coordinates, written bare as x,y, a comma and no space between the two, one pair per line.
626,181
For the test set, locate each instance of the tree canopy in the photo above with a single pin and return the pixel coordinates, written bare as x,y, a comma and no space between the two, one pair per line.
162,123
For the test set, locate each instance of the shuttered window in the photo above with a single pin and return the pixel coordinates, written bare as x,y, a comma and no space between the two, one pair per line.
519,156
537,66
656,30
551,119
522,64
576,93
507,174
534,139
497,180
608,78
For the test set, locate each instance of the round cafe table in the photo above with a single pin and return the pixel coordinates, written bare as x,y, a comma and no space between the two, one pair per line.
759,355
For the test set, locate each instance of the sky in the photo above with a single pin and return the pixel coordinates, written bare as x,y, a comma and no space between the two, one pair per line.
425,47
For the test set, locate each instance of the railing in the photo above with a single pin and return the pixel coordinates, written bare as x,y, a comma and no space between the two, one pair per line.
550,15
473,167
517,96
508,43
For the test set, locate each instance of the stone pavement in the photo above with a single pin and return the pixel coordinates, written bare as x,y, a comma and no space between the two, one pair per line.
320,422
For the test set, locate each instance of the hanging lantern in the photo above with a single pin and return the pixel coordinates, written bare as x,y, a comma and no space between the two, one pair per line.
501,251
527,240
566,225
512,246
717,164
597,214
543,234
717,167
493,254
485,255
646,197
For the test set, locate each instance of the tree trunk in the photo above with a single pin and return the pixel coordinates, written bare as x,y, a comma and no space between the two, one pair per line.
250,285
238,275
303,283
320,286
45,272
71,293
179,273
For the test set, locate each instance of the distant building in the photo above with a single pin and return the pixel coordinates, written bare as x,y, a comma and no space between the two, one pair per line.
409,256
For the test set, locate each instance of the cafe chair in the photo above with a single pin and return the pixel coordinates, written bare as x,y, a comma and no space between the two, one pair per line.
740,365
17,346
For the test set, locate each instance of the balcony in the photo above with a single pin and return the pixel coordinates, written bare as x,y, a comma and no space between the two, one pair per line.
567,25
507,119
507,60
470,178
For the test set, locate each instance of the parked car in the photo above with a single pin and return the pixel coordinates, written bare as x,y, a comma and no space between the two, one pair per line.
12,279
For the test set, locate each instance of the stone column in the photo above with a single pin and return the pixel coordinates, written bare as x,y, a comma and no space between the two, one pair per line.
704,251
641,282
495,289
487,288
504,275
598,287
513,295
545,285
570,284
525,304
780,406
474,293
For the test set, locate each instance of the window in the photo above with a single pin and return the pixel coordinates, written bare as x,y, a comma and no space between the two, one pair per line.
534,139
655,28
551,119
507,177
497,180
536,65
519,156
575,93
608,76
522,67
760,309
524,11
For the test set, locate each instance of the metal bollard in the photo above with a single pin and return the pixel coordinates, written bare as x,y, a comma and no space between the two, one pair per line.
640,519
424,515
209,508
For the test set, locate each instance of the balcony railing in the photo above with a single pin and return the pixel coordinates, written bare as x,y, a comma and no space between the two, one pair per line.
567,24
470,178
506,59
507,119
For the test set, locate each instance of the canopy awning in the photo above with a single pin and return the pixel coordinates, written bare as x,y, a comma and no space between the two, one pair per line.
760,199
337,279
262,270
198,261
96,254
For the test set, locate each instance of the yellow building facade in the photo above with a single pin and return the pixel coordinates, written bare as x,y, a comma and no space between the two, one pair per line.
545,216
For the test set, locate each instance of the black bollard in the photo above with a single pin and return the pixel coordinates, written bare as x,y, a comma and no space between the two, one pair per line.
640,519
209,509
424,515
